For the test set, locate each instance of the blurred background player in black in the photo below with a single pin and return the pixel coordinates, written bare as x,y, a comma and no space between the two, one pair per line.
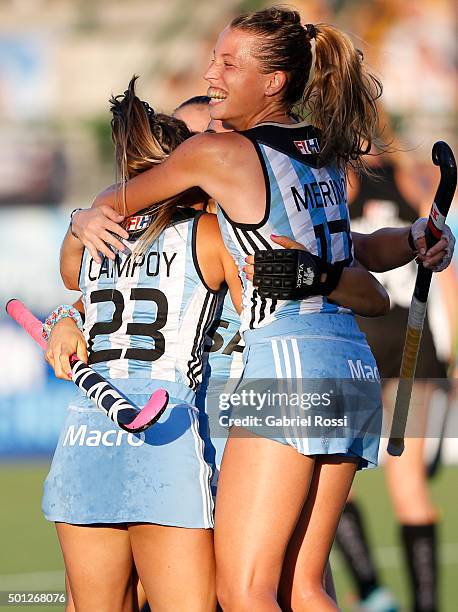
390,197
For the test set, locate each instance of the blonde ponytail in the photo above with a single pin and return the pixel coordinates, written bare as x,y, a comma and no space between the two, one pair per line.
341,98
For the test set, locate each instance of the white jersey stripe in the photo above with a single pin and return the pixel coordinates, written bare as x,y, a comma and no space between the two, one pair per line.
175,240
276,355
204,470
280,380
287,360
288,382
304,445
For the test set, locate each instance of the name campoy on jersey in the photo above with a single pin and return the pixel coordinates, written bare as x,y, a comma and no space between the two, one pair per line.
147,315
154,263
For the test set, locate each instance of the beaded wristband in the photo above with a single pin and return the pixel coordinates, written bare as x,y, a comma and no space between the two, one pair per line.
61,312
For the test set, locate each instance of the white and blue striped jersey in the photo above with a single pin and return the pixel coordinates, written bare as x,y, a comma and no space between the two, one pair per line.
147,316
224,343
305,202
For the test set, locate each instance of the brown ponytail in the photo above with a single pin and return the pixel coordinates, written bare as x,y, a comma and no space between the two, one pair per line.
329,84
341,98
143,138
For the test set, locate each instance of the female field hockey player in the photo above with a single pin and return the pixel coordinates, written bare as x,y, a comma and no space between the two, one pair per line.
118,498
142,346
394,249
225,363
396,196
279,499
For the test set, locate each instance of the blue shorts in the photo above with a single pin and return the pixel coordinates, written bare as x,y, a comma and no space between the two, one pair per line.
102,474
320,387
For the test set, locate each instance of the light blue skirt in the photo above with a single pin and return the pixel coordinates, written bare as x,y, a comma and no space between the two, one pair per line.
311,382
102,474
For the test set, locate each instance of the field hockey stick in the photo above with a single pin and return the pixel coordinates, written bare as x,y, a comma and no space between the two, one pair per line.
443,157
104,395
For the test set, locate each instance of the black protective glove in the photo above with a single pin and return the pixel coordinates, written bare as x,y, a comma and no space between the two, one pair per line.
293,274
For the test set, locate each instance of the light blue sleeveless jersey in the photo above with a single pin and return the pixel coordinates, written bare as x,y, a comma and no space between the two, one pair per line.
224,344
147,316
303,201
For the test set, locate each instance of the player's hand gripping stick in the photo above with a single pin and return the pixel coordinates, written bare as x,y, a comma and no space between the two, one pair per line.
442,157
94,386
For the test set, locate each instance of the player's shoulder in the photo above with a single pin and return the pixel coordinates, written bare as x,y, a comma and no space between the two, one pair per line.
217,147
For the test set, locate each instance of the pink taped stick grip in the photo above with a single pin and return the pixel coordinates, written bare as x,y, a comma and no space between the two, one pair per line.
23,316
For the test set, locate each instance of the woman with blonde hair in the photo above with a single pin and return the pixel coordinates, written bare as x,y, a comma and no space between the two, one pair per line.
120,500
147,311
279,499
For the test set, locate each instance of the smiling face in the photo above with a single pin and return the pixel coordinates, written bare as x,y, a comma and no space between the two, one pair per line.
241,95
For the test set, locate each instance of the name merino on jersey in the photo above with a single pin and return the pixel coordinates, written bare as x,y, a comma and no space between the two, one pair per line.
147,315
305,202
320,194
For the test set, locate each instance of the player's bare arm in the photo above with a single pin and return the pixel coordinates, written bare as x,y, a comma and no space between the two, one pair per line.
188,166
383,250
389,247
79,306
361,292
71,252
227,154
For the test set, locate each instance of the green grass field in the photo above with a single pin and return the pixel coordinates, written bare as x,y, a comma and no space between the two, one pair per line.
30,556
